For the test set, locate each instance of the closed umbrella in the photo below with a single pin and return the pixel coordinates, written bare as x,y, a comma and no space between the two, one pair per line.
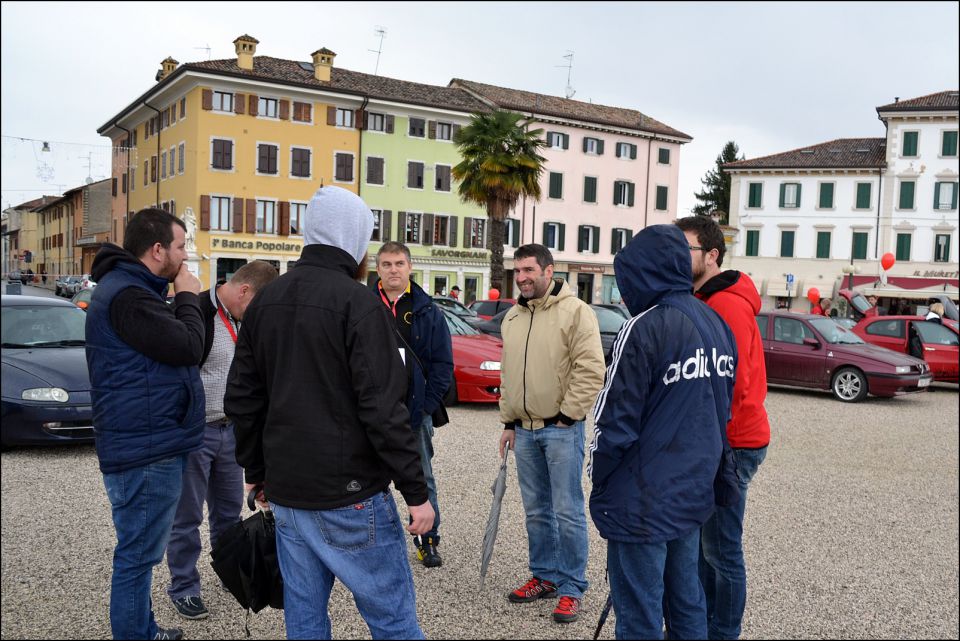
498,488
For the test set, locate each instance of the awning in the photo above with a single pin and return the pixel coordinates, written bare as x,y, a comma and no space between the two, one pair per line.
778,287
905,286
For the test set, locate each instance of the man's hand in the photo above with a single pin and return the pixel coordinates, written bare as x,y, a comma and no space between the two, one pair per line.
508,436
186,281
259,499
422,518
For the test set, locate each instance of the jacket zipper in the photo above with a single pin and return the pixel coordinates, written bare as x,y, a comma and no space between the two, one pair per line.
526,349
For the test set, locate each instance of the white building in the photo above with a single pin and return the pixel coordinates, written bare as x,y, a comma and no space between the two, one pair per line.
816,211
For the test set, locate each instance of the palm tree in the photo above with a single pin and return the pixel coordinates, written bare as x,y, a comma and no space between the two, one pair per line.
500,164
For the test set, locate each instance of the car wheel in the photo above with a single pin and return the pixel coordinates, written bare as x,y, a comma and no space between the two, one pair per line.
849,385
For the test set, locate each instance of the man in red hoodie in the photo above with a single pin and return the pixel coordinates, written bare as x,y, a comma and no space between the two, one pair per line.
734,296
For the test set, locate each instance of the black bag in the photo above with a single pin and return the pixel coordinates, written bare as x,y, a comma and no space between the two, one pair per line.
439,416
245,559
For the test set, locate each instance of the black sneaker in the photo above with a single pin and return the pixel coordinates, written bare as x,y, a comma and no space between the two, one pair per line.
532,590
169,633
191,607
427,553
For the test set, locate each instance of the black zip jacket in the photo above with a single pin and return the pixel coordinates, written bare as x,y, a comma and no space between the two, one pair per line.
316,390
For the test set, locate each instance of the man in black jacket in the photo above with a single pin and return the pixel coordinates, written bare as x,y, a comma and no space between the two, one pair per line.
212,473
316,393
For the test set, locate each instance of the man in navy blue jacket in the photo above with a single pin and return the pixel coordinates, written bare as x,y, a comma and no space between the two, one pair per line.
422,328
659,436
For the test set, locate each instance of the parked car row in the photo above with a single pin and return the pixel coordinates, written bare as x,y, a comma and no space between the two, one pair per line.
70,285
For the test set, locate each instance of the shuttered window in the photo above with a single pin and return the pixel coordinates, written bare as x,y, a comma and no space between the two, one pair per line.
903,246
755,198
556,185
662,198
344,167
910,143
907,189
823,244
267,159
941,248
860,239
589,189
442,173
374,171
300,162
415,175
222,154
945,196
863,195
948,147
753,242
826,196
417,128
786,243
663,156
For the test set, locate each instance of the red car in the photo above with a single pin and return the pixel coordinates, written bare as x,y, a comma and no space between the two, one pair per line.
487,309
806,350
476,363
938,343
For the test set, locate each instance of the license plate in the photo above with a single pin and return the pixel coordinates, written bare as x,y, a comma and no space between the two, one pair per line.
923,382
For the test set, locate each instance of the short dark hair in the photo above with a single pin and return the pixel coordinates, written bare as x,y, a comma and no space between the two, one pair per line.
393,247
534,250
256,273
148,227
709,234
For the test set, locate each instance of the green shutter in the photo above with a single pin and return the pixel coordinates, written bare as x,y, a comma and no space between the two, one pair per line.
589,189
910,143
953,199
756,192
936,195
616,186
613,240
783,194
515,241
906,194
563,231
798,194
753,242
630,191
663,156
903,246
662,198
860,245
863,195
786,244
580,245
596,240
566,141
585,140
543,238
599,147
949,146
556,185
826,195
633,152
823,244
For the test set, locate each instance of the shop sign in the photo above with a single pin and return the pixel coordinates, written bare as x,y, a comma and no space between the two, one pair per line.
930,273
588,269
254,245
453,253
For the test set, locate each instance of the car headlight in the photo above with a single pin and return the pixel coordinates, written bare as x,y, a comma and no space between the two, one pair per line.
490,365
903,369
45,394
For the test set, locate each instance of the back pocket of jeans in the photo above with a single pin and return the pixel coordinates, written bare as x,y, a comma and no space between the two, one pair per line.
348,528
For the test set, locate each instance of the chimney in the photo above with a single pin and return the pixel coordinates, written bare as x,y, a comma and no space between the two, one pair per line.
167,67
896,99
246,47
322,64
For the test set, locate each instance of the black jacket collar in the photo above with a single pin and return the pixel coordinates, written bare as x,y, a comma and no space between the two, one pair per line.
328,257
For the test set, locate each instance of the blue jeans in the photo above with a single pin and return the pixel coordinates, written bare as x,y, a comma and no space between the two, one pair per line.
363,545
211,475
549,471
424,436
143,501
722,570
645,576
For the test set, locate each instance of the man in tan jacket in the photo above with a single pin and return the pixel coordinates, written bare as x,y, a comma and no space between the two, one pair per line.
552,372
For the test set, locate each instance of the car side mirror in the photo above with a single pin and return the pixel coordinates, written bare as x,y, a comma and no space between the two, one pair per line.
812,342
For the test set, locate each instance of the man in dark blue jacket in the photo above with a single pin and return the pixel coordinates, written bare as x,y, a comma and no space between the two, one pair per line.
659,436
148,401
422,328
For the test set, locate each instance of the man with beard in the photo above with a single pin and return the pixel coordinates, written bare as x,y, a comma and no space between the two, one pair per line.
148,401
735,298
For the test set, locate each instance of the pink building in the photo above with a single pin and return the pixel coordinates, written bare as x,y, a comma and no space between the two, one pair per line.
610,172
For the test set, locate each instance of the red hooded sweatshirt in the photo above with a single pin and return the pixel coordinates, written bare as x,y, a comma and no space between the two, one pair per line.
734,296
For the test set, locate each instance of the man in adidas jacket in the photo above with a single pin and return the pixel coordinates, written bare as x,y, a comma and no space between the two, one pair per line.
658,439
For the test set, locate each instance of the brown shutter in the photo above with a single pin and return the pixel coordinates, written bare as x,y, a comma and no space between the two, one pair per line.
453,132
386,222
173,113
251,216
113,186
432,129
389,124
284,218
411,174
284,109
426,230
239,103
332,116
402,226
238,215
207,100
296,111
253,104
452,226
466,232
308,112
360,119
205,213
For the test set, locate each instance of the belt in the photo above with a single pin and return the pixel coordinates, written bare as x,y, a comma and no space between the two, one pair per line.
553,420
220,422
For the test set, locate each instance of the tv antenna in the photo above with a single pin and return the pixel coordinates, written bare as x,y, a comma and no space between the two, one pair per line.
569,91
380,31
207,48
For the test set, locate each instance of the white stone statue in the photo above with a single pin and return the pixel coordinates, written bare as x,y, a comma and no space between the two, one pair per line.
190,220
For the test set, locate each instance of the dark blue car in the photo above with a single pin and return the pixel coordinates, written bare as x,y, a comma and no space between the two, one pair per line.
46,388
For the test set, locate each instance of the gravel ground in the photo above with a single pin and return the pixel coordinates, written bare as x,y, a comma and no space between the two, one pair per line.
851,532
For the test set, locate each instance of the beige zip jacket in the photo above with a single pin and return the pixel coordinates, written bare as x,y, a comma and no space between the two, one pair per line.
552,360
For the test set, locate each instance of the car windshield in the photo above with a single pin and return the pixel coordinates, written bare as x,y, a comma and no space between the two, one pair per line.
43,326
455,307
610,321
456,326
860,303
834,334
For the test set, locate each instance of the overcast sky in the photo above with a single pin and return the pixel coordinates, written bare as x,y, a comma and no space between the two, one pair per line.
770,76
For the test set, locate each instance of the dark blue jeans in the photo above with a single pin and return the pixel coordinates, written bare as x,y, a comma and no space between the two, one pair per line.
143,501
364,546
211,475
722,570
645,576
424,436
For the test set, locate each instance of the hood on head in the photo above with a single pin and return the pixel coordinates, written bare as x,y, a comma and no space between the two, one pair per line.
654,263
108,258
338,218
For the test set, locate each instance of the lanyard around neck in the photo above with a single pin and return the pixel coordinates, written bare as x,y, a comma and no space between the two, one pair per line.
227,323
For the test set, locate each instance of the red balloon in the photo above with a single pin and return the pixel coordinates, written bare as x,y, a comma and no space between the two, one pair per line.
813,295
887,261
493,294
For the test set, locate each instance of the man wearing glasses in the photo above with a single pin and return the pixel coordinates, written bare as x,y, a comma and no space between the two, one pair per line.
733,295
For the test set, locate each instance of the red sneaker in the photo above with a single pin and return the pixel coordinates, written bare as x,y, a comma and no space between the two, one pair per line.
567,610
532,590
